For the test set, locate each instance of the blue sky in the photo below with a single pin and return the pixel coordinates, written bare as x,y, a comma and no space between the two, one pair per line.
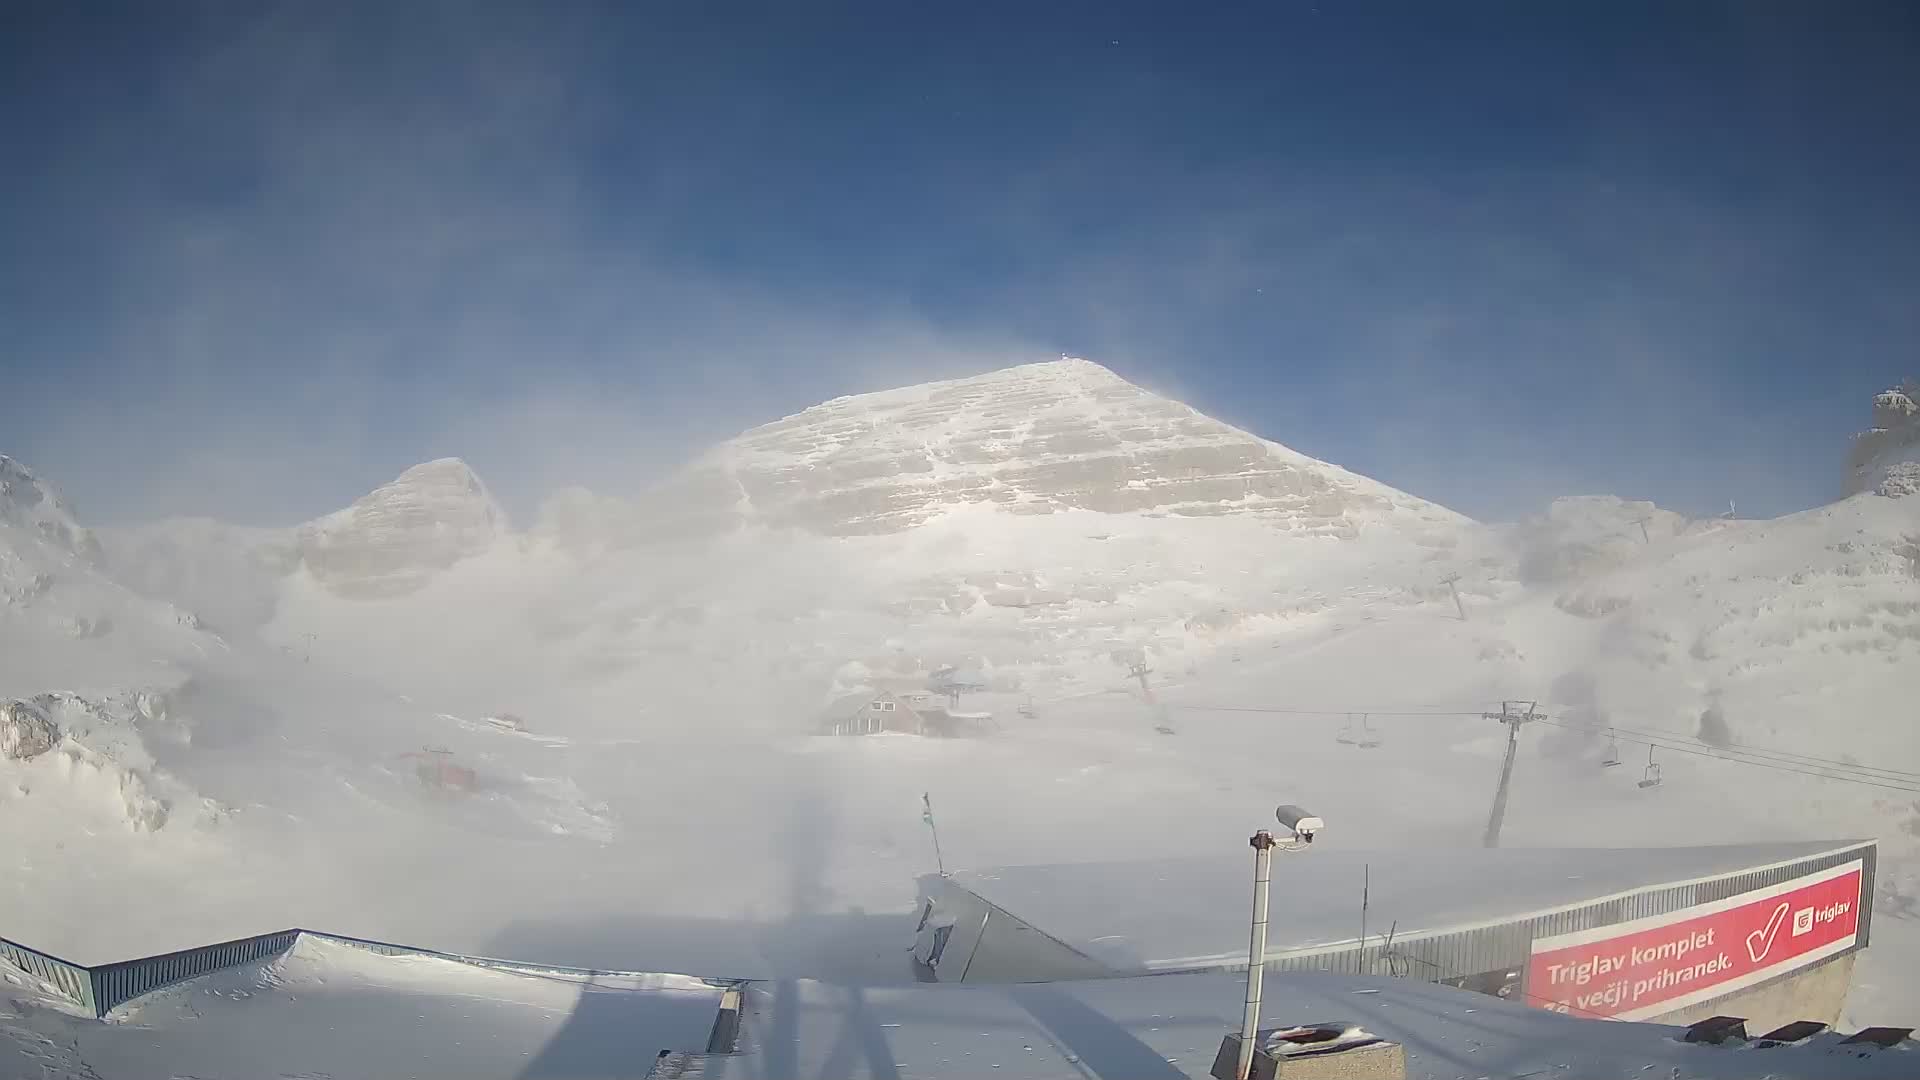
257,258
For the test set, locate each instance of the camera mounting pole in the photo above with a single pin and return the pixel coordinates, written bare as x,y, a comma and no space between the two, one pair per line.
1263,844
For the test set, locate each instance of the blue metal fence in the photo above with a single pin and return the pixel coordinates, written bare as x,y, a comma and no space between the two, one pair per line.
71,980
117,984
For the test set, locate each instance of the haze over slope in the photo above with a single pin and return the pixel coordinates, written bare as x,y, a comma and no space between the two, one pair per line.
971,514
1048,526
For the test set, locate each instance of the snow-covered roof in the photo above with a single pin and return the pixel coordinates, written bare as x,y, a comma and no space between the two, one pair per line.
1166,1027
1186,912
327,1009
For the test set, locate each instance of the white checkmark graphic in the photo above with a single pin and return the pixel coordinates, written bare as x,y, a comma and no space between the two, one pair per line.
1760,942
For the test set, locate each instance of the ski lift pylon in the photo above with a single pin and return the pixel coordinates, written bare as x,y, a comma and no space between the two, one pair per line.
1652,777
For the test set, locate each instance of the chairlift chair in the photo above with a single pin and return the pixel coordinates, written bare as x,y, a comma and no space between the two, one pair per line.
1369,738
1652,777
1345,735
1613,750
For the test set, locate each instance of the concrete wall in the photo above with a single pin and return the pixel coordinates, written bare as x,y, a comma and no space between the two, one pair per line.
1817,993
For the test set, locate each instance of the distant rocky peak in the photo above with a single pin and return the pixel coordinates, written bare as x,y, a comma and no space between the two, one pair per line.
448,473
1058,436
395,538
1885,459
30,503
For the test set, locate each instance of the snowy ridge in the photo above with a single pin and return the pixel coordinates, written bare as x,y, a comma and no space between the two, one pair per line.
1033,439
30,504
397,536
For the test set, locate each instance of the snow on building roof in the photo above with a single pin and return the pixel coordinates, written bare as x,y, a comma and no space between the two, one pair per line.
1168,1027
328,1009
1187,912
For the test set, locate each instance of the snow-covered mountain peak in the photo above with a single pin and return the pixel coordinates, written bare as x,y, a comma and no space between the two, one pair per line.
29,503
394,538
1033,439
447,473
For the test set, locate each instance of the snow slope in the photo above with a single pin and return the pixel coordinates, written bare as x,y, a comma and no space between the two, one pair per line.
663,810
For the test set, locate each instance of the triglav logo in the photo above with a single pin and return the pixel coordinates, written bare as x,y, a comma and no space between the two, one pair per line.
1802,921
1805,918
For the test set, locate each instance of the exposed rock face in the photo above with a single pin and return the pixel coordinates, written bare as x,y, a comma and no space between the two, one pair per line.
394,539
1033,439
1886,458
25,730
31,504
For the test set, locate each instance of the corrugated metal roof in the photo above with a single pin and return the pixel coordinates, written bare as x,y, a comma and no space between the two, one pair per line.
1168,1027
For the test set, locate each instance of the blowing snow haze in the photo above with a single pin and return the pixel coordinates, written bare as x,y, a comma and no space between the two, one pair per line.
1065,538
466,474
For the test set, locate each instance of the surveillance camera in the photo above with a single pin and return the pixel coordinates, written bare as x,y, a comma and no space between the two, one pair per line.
1298,822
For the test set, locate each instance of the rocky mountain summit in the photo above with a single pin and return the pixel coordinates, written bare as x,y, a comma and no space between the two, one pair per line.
1033,439
394,538
1886,457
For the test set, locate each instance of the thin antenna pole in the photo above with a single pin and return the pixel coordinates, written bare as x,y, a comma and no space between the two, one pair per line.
1366,880
926,815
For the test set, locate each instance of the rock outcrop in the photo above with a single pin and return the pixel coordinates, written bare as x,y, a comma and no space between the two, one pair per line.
1886,458
25,730
394,539
31,504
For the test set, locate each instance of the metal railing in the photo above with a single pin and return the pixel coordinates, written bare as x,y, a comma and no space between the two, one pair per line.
118,983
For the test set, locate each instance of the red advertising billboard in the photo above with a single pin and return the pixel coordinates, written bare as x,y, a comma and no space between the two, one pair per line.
1644,968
